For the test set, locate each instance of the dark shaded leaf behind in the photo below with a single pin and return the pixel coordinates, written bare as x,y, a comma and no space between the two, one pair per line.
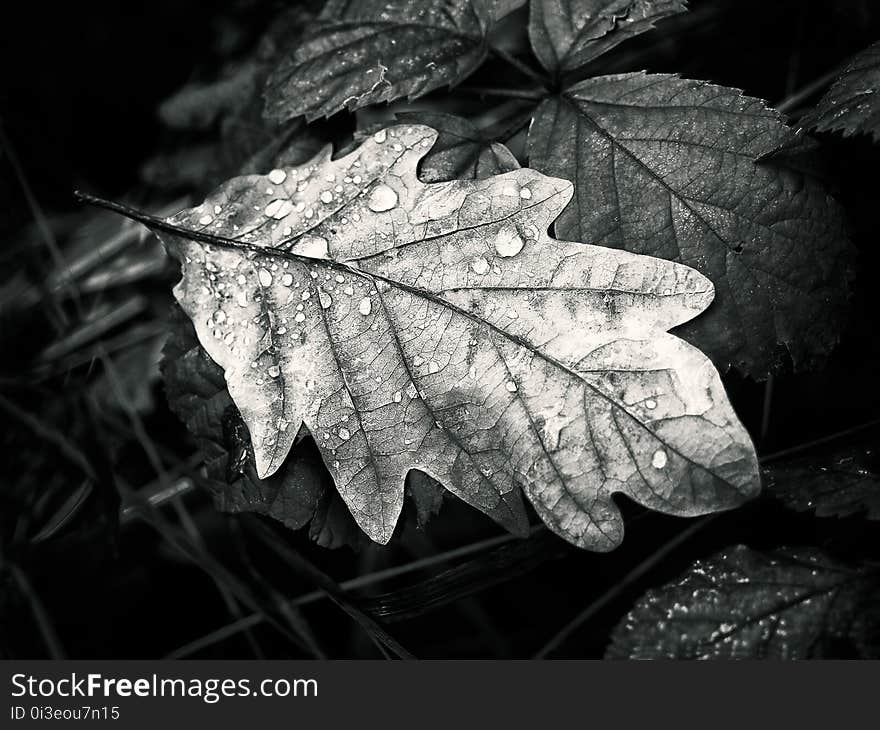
793,603
851,105
667,167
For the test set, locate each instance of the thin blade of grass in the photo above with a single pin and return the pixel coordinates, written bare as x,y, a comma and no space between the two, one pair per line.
41,617
224,632
618,588
486,571
212,567
333,590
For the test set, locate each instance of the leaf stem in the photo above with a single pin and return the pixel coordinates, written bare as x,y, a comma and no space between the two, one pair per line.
507,128
529,94
325,583
41,616
641,569
791,103
163,225
767,406
819,441
520,66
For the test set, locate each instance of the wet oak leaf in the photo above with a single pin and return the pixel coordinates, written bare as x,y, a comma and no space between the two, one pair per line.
362,52
566,34
743,604
438,327
667,167
851,105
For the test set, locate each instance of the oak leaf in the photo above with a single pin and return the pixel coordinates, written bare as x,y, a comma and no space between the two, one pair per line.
438,327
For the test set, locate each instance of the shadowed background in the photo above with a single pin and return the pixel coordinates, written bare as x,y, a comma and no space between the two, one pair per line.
80,89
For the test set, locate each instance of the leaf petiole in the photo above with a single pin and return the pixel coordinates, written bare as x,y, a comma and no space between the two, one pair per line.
520,66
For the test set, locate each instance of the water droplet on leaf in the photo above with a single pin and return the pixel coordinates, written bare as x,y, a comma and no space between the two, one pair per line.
382,198
508,242
314,247
278,209
480,265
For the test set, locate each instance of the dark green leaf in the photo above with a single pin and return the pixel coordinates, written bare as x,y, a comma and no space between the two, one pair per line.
666,166
851,104
461,152
566,34
742,604
426,494
333,526
845,482
370,51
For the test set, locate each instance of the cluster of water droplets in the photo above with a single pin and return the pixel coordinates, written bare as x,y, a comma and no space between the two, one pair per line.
323,197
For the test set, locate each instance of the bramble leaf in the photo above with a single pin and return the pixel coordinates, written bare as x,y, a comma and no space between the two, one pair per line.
742,604
667,167
461,152
566,34
843,483
851,105
438,327
368,51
